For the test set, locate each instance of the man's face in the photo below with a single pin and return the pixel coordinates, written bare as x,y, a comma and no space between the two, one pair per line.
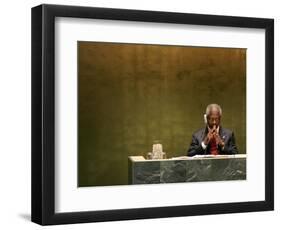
214,118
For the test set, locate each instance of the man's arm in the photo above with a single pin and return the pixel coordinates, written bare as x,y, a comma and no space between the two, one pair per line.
230,146
195,147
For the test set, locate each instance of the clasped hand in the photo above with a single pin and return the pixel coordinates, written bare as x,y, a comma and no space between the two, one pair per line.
213,134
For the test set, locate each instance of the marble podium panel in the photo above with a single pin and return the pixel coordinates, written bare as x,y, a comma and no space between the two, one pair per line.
187,169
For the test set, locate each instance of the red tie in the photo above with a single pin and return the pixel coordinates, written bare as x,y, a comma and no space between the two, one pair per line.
213,147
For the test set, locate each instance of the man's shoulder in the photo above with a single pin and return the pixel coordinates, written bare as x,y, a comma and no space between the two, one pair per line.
199,132
226,131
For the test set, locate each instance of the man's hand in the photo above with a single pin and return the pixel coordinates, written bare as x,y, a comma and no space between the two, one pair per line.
218,139
210,135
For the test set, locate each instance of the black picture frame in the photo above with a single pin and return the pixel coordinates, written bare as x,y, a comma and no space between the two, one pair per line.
43,114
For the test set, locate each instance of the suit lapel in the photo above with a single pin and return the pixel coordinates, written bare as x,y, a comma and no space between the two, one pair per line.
222,134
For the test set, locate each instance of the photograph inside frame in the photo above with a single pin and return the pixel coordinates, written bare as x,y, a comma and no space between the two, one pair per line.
150,114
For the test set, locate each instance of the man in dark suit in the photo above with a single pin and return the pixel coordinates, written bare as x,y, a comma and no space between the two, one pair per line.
213,139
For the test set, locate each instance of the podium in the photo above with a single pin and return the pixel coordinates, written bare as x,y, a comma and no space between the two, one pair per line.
187,169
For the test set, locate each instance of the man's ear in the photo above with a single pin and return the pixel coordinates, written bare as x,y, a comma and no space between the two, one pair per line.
205,119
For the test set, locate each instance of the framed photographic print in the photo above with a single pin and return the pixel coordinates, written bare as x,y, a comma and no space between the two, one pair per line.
145,114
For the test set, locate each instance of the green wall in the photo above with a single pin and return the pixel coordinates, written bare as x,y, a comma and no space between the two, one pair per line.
132,94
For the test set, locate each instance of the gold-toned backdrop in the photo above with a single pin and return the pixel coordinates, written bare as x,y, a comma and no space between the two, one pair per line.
132,94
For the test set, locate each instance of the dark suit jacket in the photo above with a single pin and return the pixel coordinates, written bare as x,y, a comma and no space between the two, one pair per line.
197,138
